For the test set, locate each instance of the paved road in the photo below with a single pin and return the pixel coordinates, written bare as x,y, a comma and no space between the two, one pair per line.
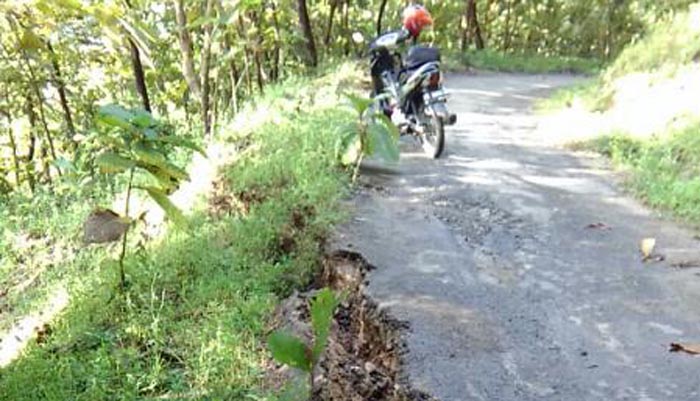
509,296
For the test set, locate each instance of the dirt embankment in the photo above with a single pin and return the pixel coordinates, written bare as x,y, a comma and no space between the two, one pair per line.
363,359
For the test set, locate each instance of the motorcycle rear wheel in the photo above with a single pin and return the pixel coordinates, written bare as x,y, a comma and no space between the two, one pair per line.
433,136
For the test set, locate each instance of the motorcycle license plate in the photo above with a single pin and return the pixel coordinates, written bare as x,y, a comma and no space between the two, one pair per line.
435,96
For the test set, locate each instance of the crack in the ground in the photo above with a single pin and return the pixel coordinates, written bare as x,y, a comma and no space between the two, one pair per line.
363,360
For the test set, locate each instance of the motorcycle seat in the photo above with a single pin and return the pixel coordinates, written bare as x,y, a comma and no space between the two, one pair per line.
419,55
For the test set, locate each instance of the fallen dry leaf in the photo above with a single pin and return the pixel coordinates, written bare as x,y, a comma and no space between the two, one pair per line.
692,349
598,226
647,248
104,225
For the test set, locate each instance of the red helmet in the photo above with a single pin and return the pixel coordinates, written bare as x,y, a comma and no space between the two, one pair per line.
415,18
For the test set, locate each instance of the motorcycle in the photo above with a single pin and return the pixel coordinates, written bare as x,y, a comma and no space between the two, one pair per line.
409,89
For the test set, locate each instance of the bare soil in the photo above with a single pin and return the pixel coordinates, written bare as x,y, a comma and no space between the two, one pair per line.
363,361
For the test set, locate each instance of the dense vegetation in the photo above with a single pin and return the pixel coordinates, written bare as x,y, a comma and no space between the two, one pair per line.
194,316
247,76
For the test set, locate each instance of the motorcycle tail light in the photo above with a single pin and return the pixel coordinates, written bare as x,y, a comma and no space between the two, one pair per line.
434,81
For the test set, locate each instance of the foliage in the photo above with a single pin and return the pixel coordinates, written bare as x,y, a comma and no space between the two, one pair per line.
292,351
138,142
669,45
664,170
372,133
193,322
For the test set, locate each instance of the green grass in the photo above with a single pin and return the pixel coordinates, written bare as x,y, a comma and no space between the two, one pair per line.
588,93
192,323
663,171
515,62
668,46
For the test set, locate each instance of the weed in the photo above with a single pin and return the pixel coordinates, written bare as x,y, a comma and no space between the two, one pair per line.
294,352
663,170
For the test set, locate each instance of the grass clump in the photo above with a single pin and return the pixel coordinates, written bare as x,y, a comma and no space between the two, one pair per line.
192,322
518,62
664,171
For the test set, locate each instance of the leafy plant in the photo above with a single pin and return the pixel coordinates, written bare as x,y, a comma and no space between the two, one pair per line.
136,142
372,133
292,351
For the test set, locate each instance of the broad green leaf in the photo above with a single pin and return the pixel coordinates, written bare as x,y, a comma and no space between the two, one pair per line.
147,155
172,211
143,119
166,181
110,162
322,310
358,103
348,146
289,350
383,143
152,157
115,116
386,121
182,143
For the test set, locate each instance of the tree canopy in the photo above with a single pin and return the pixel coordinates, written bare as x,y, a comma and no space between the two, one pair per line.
193,63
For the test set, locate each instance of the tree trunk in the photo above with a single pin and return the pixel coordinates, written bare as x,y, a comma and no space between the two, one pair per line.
233,72
305,24
139,76
382,8
346,26
487,21
205,63
233,76
31,151
246,56
42,116
13,148
186,50
506,37
464,24
277,52
260,73
473,25
61,87
329,26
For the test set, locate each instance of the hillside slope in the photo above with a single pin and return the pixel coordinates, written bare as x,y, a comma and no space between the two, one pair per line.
643,113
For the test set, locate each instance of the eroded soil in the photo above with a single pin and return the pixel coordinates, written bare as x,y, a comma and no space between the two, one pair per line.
363,359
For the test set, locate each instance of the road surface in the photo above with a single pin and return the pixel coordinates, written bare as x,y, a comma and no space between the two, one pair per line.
517,265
